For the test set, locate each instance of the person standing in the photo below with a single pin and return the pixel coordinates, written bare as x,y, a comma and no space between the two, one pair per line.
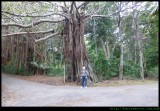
84,77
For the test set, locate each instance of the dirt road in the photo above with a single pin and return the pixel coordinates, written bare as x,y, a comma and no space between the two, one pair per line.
16,92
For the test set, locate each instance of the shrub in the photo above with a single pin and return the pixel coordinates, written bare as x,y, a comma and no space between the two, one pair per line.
56,71
12,69
131,69
106,68
153,73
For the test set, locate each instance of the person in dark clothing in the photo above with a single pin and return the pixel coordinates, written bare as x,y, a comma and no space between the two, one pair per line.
84,77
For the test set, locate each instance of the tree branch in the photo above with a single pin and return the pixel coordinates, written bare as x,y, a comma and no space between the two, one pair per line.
100,16
84,3
30,25
65,9
96,11
71,6
65,4
64,15
94,15
23,33
76,8
110,14
91,15
46,37
9,18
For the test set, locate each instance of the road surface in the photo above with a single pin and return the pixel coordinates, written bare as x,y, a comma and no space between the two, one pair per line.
17,92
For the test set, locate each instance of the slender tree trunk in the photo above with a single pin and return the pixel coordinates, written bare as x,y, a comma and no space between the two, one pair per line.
140,49
53,52
128,54
105,52
135,53
121,45
108,49
114,46
95,38
121,63
145,67
141,60
26,52
34,51
45,53
135,38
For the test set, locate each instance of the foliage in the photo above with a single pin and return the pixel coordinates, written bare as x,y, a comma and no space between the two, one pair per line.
153,73
151,54
151,32
106,68
56,71
34,64
131,69
12,69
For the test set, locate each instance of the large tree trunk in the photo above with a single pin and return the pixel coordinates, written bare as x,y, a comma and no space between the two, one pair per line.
74,50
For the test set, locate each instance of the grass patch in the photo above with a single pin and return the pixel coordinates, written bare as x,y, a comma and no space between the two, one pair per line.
115,83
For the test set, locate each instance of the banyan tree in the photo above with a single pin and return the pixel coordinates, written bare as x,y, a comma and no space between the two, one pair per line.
25,43
74,49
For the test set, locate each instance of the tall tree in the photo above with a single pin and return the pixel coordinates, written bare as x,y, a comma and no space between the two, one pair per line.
140,45
119,6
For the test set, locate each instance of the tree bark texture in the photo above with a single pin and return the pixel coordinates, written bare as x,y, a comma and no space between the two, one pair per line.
74,50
